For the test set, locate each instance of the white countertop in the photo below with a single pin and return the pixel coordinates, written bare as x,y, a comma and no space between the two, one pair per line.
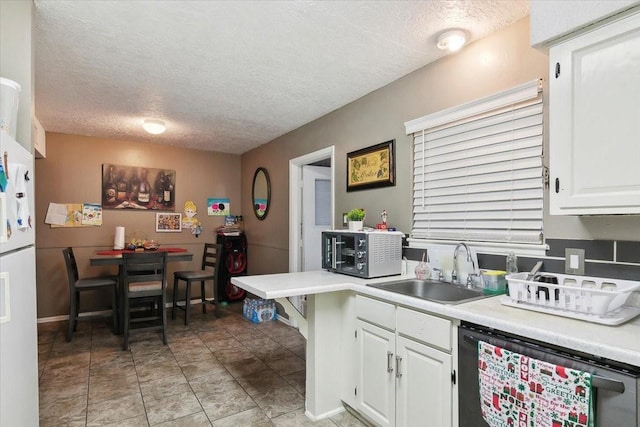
621,343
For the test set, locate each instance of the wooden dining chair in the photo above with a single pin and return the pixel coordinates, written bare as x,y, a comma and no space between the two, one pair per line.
77,285
145,278
203,275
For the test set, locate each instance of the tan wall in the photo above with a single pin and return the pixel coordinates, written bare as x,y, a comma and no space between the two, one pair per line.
495,63
71,173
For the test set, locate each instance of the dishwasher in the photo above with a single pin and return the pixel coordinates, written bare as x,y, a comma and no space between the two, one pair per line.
616,386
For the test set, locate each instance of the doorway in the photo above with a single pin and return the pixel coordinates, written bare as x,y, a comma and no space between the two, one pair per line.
299,226
296,184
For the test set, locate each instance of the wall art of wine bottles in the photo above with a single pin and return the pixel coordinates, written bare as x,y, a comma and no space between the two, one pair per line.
138,188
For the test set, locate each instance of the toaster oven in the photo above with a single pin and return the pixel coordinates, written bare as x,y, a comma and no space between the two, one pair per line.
363,254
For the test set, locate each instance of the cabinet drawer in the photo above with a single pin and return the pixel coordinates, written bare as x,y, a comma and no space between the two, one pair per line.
431,330
377,312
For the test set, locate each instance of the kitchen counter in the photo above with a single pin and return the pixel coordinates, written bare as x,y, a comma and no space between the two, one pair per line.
620,343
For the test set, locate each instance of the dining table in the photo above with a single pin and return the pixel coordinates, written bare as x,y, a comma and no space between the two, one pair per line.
114,257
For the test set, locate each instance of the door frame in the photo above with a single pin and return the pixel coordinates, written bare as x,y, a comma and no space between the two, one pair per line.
295,200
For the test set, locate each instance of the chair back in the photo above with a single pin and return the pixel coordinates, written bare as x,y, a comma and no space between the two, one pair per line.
145,267
209,256
72,266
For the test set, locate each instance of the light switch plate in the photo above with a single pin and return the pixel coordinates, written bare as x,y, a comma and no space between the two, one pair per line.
574,261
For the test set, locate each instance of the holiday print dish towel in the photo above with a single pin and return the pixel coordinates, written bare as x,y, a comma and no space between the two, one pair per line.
519,391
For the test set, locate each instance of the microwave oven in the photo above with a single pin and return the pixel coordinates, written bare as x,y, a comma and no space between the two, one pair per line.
365,254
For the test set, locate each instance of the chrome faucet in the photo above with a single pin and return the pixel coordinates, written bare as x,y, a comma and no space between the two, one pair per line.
454,271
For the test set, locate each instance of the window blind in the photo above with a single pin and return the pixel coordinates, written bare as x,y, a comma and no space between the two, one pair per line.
478,170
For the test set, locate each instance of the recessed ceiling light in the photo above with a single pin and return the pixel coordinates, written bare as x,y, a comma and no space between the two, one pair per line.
452,40
155,127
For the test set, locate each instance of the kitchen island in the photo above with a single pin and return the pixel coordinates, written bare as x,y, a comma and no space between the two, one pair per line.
331,319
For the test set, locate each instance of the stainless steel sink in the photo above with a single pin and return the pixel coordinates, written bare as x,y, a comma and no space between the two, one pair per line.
432,290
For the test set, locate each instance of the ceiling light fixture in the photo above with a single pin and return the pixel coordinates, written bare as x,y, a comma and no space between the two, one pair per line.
155,127
452,40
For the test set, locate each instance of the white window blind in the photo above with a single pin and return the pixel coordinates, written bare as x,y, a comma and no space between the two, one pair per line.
478,170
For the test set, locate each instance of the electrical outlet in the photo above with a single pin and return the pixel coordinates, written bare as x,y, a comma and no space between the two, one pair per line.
574,261
344,218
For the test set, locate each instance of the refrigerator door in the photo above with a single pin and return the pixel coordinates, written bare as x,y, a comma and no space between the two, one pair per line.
18,339
17,216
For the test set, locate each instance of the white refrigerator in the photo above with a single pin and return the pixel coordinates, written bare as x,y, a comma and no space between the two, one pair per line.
18,329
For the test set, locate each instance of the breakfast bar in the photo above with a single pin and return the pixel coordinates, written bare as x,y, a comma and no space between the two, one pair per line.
331,320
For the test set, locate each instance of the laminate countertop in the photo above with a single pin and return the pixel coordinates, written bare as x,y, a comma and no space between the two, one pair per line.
620,343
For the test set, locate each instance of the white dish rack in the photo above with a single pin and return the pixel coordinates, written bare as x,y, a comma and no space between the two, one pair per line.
594,299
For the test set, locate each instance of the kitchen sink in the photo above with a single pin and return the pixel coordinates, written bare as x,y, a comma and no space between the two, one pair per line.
432,290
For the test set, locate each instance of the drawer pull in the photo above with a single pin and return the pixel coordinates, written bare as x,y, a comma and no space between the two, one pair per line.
398,360
389,361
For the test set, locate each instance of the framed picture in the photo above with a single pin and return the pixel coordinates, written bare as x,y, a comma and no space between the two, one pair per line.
372,167
168,222
138,188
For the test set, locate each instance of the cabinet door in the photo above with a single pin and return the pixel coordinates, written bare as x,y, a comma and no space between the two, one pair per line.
423,388
594,121
375,394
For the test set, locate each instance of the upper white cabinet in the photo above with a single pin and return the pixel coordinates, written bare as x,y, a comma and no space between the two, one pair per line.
594,121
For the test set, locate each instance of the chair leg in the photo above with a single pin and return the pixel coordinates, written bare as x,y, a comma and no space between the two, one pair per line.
163,300
202,297
114,308
175,298
73,314
187,302
125,345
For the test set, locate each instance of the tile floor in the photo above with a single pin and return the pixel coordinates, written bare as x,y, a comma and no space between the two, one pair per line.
222,371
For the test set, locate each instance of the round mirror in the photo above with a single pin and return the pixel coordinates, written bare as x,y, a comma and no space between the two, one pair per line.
261,193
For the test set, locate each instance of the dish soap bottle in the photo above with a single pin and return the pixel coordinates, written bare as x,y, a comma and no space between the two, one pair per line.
423,271
512,263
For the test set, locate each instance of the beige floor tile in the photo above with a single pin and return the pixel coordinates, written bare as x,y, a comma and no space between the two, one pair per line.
214,385
103,387
71,411
222,405
91,381
254,417
279,401
261,382
246,366
346,419
115,410
297,380
287,365
165,386
194,420
63,389
297,418
170,407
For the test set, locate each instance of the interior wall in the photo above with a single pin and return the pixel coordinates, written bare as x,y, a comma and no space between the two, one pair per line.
495,63
16,59
72,173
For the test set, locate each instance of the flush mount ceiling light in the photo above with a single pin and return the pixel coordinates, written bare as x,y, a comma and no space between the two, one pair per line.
452,40
155,127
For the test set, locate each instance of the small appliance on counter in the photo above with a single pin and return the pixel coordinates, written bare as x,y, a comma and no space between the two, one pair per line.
365,254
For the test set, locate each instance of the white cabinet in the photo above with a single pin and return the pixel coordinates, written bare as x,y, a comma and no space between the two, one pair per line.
594,121
404,365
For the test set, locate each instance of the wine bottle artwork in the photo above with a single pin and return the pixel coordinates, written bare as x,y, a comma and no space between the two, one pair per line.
138,187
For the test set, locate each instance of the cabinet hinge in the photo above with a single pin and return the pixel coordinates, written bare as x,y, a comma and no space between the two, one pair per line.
557,70
453,376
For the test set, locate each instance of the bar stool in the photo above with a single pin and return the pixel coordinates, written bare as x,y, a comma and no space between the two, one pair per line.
209,257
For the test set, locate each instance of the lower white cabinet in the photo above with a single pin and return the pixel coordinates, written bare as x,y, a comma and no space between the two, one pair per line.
404,365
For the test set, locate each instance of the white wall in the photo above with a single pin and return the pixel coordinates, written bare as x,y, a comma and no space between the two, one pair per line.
16,59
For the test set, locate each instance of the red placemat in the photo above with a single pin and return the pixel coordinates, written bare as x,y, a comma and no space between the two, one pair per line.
118,252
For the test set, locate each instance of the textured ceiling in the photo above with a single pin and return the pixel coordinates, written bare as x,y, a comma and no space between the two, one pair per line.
231,75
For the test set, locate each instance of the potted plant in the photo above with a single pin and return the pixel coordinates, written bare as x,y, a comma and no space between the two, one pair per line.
355,218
